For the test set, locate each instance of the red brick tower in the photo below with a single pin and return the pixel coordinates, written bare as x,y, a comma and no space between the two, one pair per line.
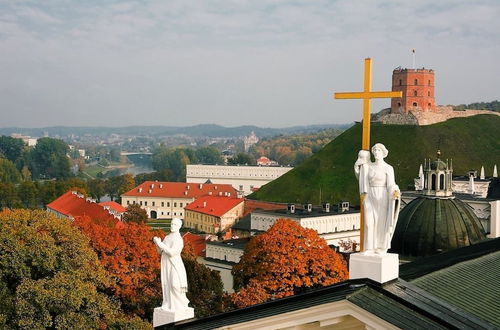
417,86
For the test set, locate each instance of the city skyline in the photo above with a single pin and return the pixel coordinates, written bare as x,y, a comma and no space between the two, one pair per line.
263,63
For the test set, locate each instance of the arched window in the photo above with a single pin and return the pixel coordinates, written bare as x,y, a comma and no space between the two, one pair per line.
400,82
414,104
399,104
154,215
433,182
429,105
415,93
428,93
416,81
429,83
441,181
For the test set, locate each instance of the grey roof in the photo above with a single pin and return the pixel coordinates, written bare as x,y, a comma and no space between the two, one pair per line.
301,213
244,223
471,285
238,243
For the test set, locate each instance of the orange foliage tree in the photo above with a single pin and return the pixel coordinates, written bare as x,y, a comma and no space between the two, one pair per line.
128,254
285,260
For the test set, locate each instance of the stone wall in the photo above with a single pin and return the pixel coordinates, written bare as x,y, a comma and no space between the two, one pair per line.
423,118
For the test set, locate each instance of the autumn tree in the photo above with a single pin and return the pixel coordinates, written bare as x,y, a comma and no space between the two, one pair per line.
285,260
51,278
129,256
135,213
205,288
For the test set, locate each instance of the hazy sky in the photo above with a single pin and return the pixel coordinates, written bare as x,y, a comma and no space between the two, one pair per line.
266,63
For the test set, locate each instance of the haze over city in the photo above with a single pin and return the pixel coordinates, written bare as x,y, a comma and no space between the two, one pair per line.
265,63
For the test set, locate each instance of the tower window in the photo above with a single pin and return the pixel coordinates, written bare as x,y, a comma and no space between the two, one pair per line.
429,105
400,82
399,104
414,93
414,104
429,82
416,81
428,93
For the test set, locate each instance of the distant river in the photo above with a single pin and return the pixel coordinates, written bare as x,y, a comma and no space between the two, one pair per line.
136,169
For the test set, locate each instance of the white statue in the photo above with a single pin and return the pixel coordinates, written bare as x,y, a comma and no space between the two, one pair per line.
380,197
173,273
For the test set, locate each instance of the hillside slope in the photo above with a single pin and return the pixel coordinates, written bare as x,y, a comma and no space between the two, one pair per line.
328,175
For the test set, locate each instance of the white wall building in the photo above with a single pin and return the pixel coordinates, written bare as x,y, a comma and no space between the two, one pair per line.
333,226
242,178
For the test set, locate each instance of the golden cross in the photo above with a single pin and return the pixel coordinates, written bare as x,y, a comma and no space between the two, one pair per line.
366,95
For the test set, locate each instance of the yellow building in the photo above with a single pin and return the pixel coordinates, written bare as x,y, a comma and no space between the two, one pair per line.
213,214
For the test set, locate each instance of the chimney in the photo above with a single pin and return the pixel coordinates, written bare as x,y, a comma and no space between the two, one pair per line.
140,190
215,187
149,191
201,185
152,185
326,207
308,207
291,208
185,192
204,204
343,206
161,185
188,187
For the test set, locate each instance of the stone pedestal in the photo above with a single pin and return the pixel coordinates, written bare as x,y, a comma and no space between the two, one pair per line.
161,316
380,268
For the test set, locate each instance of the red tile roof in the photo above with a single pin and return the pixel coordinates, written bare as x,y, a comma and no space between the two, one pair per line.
180,190
198,243
216,206
114,206
251,205
74,205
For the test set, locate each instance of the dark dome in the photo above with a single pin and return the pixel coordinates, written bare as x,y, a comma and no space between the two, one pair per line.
438,165
428,226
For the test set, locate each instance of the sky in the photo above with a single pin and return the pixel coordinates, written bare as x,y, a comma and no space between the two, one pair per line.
244,62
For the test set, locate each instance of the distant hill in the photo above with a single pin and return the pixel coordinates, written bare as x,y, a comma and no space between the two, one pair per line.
328,174
492,106
205,130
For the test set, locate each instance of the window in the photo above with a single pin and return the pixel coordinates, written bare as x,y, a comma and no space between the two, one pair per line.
428,93
175,204
128,202
145,203
429,105
414,93
152,203
175,213
180,204
140,203
414,104
168,204
429,83
162,204
416,82
400,82
133,202
241,187
399,104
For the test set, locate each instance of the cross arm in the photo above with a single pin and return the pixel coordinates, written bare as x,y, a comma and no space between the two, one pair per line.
367,95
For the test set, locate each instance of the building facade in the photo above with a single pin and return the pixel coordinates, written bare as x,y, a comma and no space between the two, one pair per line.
213,214
167,200
245,179
417,86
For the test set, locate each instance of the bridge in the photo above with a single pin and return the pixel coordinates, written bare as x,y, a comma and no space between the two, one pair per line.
125,153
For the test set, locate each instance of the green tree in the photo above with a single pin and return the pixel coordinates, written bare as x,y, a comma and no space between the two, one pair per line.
242,159
208,155
135,213
8,171
285,260
8,196
48,192
97,188
11,148
161,175
50,277
27,193
205,285
48,159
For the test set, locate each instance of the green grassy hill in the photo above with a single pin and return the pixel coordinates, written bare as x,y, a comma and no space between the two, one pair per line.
328,175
